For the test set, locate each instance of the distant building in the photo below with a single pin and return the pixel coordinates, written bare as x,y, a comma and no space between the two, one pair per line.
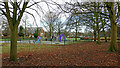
31,31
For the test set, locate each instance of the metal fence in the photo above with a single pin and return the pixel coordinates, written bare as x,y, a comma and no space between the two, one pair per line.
41,41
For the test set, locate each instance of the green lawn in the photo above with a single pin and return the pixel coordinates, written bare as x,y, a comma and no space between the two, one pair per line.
31,47
26,39
4,39
18,39
25,47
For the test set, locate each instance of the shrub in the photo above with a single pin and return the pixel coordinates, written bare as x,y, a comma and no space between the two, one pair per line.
21,34
35,35
5,34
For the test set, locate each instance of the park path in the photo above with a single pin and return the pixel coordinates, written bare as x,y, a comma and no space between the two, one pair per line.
77,54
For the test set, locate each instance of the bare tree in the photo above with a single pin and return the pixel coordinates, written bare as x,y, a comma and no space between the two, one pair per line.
25,21
75,22
49,22
13,11
113,16
59,27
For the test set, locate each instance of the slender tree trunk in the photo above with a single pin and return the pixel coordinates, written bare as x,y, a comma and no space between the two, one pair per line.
50,33
98,30
76,32
13,47
59,32
104,35
25,29
94,35
97,23
76,35
98,42
104,32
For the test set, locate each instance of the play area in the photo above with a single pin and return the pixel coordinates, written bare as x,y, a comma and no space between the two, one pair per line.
54,40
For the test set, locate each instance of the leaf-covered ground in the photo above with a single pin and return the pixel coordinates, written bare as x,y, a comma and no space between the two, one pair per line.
77,54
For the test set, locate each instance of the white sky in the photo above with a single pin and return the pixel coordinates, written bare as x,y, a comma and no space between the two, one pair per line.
45,8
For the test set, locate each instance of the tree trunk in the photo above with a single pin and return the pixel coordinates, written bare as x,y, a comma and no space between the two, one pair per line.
94,35
59,32
76,33
98,41
113,46
25,30
97,23
104,32
13,47
104,35
50,33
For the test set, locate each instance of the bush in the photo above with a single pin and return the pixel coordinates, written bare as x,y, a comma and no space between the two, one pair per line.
21,34
35,35
5,34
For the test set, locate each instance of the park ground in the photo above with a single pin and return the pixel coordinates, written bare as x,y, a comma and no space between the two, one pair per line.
75,54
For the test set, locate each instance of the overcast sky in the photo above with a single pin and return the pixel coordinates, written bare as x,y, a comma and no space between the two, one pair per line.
44,7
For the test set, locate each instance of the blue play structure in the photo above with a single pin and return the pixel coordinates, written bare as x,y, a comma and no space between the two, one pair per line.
55,38
61,37
37,41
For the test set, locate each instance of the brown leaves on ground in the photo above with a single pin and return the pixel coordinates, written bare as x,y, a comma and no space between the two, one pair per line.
77,54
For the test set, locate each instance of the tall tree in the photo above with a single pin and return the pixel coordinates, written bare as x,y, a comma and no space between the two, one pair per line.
110,7
49,22
25,20
13,12
59,27
74,22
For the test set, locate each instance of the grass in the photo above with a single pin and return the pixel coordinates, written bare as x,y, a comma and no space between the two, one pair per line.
72,38
4,39
25,47
27,39
30,47
118,40
18,39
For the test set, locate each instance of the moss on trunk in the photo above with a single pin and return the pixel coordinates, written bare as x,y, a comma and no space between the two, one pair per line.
113,45
13,47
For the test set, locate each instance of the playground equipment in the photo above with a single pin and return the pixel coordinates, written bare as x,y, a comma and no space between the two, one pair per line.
39,39
61,37
54,38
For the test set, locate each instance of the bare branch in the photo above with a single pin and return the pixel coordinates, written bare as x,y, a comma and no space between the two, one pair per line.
35,11
34,4
3,12
8,15
32,16
22,11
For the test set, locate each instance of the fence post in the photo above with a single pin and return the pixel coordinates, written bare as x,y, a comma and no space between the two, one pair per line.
29,40
51,41
64,42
